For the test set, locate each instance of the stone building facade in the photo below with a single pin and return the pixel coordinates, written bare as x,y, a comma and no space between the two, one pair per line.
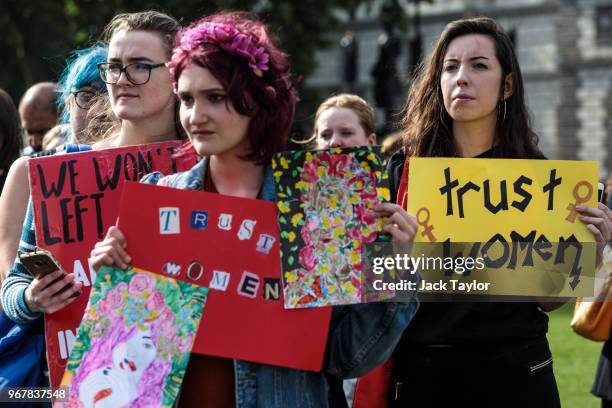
564,48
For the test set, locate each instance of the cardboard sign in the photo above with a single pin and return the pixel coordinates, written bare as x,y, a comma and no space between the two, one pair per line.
324,202
517,219
229,245
76,199
134,341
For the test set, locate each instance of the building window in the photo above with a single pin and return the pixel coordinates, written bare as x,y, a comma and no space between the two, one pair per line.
603,22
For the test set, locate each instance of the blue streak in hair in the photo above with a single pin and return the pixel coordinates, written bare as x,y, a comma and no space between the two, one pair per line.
81,70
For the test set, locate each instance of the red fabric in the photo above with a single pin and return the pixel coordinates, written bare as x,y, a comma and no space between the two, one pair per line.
402,188
372,390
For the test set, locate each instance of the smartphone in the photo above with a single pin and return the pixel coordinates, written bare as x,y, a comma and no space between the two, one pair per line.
41,263
600,191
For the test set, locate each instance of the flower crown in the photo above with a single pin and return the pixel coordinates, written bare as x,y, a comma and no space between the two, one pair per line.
229,39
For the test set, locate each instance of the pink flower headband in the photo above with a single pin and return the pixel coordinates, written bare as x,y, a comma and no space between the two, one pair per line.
230,39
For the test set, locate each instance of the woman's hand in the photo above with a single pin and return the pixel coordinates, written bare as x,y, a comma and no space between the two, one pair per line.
599,222
45,294
401,225
110,251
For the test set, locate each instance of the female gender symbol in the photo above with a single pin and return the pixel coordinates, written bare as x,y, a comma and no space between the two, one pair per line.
425,224
571,217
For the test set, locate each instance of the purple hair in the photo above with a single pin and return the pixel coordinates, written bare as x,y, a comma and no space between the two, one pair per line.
267,96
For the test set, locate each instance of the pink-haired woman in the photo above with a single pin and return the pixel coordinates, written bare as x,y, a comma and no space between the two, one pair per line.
237,103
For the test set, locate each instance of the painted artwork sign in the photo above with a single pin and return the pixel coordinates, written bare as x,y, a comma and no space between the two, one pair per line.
76,199
134,340
325,199
231,246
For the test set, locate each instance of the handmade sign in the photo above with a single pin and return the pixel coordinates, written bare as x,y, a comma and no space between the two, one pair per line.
229,245
324,202
76,199
134,341
516,219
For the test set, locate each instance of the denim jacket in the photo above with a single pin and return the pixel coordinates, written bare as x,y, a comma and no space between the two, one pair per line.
360,336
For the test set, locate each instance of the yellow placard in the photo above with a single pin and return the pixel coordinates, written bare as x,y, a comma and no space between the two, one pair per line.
493,204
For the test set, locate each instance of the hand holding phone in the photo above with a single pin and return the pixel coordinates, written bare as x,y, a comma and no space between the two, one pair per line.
52,288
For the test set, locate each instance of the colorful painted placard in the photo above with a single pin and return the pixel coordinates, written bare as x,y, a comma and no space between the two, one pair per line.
134,341
325,199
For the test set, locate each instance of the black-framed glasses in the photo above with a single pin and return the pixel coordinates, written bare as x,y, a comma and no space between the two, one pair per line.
84,98
137,73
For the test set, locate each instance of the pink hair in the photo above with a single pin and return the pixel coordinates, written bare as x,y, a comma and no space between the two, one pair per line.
100,355
269,100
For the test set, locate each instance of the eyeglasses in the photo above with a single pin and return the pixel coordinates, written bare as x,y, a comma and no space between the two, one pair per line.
84,99
137,73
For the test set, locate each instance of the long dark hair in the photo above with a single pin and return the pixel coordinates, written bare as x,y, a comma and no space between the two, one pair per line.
427,126
10,131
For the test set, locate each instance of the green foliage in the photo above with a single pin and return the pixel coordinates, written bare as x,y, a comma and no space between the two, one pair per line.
36,37
575,360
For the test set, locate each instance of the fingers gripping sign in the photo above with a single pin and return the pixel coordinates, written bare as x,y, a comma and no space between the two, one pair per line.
599,222
401,225
111,250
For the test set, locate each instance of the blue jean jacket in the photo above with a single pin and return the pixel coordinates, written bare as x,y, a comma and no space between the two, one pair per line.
360,336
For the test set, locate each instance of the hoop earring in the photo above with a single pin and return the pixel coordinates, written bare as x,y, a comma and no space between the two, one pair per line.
504,115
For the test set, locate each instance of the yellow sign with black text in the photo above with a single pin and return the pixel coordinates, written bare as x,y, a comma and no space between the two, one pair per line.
510,223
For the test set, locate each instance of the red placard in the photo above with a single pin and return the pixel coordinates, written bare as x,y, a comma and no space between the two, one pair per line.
76,198
231,246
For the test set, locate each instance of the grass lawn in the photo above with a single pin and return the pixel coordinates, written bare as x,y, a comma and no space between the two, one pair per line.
575,360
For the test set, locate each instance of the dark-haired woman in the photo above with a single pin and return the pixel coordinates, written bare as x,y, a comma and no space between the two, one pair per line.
468,101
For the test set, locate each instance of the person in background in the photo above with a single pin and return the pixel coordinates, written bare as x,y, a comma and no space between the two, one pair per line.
54,138
79,87
344,120
10,135
38,113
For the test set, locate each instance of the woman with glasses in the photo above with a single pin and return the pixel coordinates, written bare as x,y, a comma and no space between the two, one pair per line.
142,99
237,104
138,81
80,86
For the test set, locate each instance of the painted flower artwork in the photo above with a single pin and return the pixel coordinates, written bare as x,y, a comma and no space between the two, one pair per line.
134,342
324,202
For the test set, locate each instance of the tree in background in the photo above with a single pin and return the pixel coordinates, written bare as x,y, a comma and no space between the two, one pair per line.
36,36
